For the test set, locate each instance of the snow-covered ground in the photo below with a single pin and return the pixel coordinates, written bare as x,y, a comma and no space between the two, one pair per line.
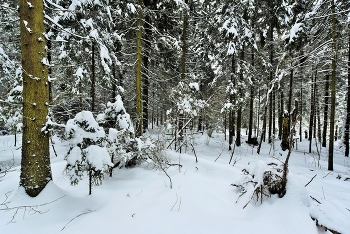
202,200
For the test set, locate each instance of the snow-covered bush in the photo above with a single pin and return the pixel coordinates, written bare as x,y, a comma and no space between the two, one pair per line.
260,181
87,153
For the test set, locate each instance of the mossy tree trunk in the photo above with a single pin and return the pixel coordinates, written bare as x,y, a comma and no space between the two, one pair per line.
35,164
139,122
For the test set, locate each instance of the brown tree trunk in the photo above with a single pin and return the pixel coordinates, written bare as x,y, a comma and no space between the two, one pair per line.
334,70
139,123
325,111
35,163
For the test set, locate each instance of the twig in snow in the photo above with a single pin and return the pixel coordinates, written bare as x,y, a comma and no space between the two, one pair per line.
84,212
315,200
310,180
323,194
194,151
326,175
179,205
175,203
219,154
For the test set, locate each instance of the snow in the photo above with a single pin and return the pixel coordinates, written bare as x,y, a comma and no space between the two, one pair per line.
202,200
194,85
97,157
131,7
294,30
83,126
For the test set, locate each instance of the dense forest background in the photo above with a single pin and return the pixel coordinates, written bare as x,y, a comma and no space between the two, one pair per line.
191,65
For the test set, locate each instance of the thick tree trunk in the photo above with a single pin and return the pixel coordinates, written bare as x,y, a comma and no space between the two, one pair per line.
35,163
139,122
334,67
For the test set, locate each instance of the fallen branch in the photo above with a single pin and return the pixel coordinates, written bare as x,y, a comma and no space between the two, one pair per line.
311,180
315,200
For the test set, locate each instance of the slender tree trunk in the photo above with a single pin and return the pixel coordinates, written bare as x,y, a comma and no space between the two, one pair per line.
35,163
334,67
183,64
93,78
231,120
290,96
139,122
301,111
347,124
146,57
114,85
312,104
271,77
263,129
280,115
239,111
325,111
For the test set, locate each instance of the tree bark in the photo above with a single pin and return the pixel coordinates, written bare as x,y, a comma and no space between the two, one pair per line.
93,77
35,163
347,124
334,67
139,122
312,112
325,111
231,120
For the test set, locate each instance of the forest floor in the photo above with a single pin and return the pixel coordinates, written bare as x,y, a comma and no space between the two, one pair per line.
202,200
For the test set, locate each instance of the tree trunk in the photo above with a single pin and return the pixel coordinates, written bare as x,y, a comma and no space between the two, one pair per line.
146,57
263,129
139,122
347,124
231,120
301,110
280,116
290,96
93,78
325,111
239,111
334,67
312,104
183,64
35,163
251,101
